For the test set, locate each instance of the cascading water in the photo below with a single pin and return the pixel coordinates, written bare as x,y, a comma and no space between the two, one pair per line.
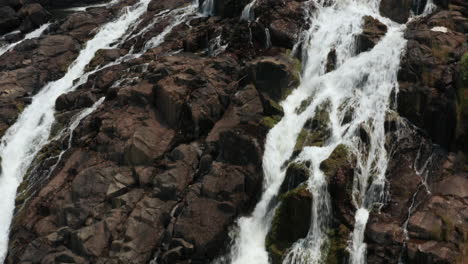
207,8
216,47
248,12
180,16
361,84
30,133
34,34
268,38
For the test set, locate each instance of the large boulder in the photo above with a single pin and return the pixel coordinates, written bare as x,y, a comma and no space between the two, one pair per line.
339,172
33,16
397,10
274,77
229,8
429,81
9,19
316,130
294,211
373,31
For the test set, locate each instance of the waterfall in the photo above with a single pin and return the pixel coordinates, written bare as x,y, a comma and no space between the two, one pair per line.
362,84
207,8
30,133
216,47
268,39
34,34
248,12
180,16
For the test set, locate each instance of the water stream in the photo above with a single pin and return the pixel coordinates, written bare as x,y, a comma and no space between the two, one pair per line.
207,8
31,131
248,12
361,84
34,34
360,87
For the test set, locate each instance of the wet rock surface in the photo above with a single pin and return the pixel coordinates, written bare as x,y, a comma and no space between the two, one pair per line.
173,155
157,167
373,31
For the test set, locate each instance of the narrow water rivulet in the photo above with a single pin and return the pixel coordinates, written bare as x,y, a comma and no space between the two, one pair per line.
30,133
34,34
358,96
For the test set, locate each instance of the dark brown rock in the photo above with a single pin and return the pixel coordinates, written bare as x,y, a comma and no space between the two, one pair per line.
9,19
397,10
294,210
34,15
373,31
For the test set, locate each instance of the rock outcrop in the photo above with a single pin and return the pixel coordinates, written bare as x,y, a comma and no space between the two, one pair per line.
156,171
24,16
173,154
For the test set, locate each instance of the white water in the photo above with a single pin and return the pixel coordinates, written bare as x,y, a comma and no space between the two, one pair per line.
248,12
76,120
268,39
34,34
362,84
179,16
207,8
83,8
31,131
216,46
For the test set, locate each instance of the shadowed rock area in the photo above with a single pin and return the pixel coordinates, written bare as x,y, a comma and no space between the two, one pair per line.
173,155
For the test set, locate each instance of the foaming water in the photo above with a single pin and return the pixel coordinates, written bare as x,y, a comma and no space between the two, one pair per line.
34,34
362,85
248,12
207,8
31,131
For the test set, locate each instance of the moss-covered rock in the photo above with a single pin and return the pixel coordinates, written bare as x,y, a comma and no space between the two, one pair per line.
339,172
316,130
296,174
338,158
304,104
337,243
47,156
274,77
271,107
270,121
290,223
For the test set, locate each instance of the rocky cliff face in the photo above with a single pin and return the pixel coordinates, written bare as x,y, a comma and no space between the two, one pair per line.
173,154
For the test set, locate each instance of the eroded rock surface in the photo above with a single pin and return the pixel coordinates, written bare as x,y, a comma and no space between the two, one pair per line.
173,155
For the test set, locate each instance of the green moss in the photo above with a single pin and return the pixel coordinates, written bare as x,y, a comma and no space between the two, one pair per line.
338,158
337,244
316,130
275,107
297,64
56,128
285,93
308,138
24,190
304,104
20,106
270,121
296,174
294,210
